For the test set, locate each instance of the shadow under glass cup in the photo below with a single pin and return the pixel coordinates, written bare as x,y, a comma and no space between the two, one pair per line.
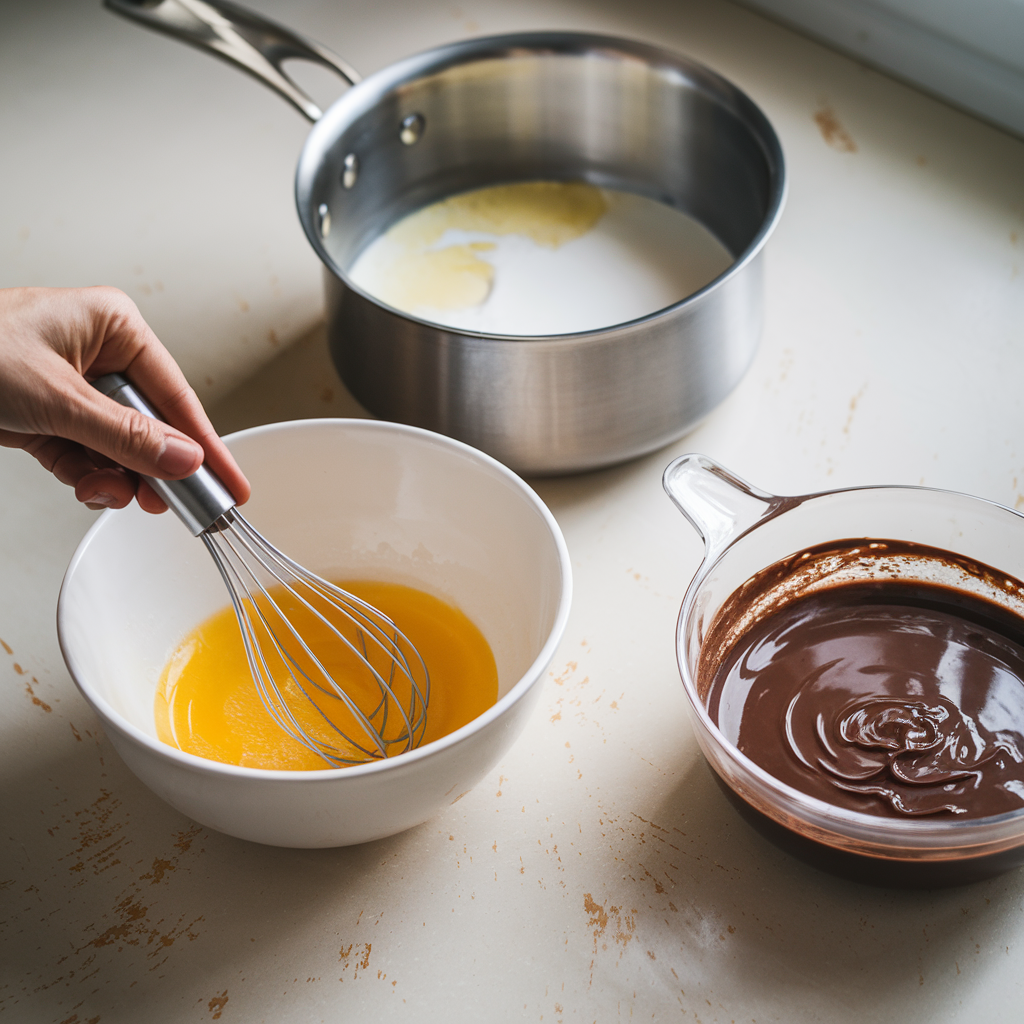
746,530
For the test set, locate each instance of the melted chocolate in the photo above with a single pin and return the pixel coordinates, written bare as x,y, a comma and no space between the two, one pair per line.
891,697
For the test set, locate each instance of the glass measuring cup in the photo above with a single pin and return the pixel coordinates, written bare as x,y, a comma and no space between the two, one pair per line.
746,530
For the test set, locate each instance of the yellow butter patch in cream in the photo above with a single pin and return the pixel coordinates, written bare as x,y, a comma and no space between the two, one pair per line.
549,212
539,258
420,273
450,278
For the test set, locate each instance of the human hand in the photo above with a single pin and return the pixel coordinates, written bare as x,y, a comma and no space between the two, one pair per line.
51,340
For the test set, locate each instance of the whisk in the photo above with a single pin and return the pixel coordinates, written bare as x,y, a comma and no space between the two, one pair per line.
381,708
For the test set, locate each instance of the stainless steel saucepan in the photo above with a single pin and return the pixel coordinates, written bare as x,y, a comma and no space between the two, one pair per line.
526,106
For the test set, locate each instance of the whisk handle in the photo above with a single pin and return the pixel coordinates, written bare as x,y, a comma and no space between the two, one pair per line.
200,499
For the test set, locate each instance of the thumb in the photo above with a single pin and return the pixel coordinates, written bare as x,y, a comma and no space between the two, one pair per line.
129,437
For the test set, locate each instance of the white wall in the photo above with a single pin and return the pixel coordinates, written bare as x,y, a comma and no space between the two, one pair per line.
970,52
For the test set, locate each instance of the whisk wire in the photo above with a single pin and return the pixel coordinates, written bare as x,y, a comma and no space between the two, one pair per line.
385,689
253,653
355,608
363,615
269,692
229,542
256,574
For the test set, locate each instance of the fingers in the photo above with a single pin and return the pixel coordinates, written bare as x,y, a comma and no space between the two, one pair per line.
133,349
183,410
148,499
105,488
53,339
127,436
97,483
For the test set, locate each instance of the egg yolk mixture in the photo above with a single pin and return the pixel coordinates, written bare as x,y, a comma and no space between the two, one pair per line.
207,703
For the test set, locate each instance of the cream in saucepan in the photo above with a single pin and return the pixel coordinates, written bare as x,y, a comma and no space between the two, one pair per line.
540,257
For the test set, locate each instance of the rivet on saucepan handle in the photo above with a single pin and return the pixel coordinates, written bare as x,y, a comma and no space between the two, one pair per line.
200,499
324,213
412,129
350,170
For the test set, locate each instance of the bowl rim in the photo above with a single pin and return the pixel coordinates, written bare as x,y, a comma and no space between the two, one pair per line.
526,681
855,826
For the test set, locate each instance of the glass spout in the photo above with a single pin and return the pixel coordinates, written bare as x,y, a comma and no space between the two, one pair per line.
719,505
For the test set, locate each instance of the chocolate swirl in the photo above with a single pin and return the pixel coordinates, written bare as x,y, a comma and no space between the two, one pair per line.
887,698
882,745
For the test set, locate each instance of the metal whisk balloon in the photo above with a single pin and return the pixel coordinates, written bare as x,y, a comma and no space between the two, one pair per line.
378,708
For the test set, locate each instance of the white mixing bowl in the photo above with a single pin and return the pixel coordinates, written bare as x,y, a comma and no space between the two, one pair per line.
347,498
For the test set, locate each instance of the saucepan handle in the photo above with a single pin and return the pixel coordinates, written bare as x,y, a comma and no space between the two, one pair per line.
718,504
246,39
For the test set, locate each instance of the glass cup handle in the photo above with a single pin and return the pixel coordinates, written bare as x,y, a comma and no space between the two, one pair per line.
719,505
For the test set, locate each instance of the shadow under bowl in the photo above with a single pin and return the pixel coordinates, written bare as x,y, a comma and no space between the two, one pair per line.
348,499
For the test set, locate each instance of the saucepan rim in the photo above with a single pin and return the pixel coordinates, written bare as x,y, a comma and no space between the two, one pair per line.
367,94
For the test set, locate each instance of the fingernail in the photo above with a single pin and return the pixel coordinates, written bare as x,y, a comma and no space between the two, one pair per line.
101,500
178,457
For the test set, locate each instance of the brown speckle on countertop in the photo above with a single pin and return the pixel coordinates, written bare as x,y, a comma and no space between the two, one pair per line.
217,1004
832,131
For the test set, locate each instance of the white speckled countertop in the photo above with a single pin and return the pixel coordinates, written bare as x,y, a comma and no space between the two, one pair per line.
597,874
